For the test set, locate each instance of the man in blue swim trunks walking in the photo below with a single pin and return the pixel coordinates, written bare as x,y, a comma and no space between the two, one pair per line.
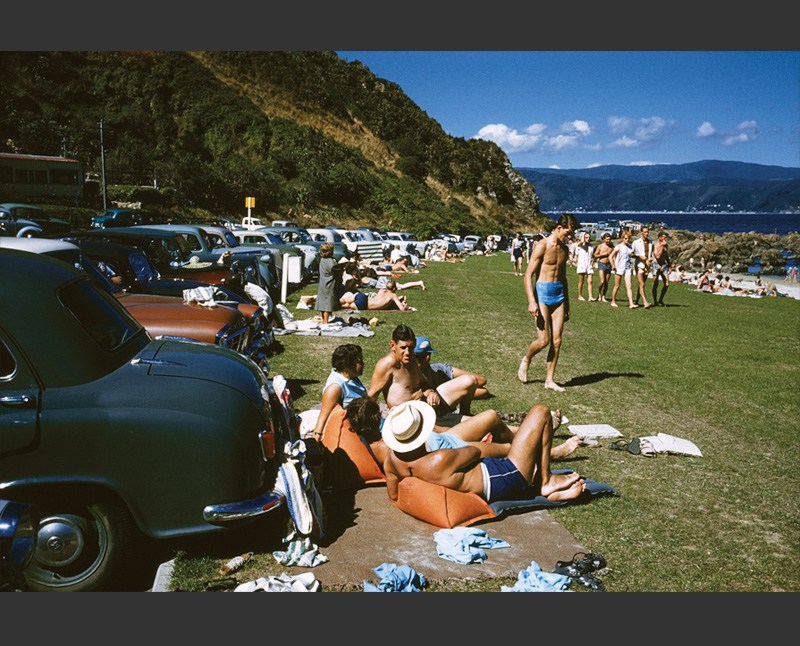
525,472
548,296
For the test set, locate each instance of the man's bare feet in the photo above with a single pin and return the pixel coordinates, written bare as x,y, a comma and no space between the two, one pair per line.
633,307
592,300
573,493
522,373
557,416
552,385
560,482
613,304
565,448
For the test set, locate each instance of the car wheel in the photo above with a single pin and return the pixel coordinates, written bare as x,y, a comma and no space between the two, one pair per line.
80,547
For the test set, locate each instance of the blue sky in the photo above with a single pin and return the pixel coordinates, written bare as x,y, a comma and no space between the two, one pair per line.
576,109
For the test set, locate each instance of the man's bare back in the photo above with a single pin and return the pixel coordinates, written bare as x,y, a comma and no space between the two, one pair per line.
457,469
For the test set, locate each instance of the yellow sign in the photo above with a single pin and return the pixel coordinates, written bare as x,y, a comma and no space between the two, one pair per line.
249,202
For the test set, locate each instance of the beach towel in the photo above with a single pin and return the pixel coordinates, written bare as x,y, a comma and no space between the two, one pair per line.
594,430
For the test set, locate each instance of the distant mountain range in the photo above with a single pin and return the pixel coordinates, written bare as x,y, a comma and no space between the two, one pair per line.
709,185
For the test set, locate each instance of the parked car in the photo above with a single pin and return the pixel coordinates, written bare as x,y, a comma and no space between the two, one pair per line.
272,244
207,247
457,244
405,241
367,243
473,243
340,249
165,248
139,276
300,238
170,253
162,316
117,218
21,220
114,434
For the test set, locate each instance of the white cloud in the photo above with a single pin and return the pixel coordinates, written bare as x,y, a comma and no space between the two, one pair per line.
744,132
511,140
577,127
705,129
535,137
554,167
624,142
559,142
630,133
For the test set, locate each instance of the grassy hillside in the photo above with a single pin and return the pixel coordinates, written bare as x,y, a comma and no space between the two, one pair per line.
305,133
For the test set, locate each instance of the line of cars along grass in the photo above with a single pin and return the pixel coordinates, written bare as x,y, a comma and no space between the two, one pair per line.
130,408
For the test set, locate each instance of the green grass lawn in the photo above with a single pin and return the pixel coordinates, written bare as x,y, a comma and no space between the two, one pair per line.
721,371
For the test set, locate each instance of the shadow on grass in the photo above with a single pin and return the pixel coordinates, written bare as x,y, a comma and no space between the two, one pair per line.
340,514
296,386
585,380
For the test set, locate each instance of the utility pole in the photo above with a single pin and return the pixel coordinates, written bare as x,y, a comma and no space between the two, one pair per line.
103,165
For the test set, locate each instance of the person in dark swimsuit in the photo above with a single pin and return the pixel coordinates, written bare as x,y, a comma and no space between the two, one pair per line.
601,255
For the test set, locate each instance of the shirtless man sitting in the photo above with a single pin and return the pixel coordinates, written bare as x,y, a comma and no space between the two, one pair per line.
398,376
526,470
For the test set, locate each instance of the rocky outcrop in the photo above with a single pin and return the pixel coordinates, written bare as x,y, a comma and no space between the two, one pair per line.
734,251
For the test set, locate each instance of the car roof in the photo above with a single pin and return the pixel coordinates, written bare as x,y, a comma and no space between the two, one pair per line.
35,245
34,280
10,205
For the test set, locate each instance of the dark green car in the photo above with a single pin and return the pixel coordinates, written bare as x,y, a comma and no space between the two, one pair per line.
112,433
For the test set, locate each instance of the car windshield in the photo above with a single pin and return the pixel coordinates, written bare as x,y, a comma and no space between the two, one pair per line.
230,239
106,323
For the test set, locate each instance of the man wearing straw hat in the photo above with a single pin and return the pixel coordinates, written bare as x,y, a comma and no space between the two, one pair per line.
525,471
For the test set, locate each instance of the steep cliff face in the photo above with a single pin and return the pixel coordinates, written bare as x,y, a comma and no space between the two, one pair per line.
305,131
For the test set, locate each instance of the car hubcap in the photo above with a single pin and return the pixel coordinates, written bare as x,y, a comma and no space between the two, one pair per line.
61,540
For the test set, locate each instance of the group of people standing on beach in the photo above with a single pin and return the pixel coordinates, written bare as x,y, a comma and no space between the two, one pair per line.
642,258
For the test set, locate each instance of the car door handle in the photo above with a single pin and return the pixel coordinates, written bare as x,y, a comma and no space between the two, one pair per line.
21,401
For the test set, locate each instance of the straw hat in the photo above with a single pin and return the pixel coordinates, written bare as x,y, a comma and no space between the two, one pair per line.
408,425
194,263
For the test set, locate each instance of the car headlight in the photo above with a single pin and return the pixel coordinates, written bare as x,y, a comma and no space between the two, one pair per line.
19,525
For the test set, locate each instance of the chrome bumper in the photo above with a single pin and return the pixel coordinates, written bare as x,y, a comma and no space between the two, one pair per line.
231,511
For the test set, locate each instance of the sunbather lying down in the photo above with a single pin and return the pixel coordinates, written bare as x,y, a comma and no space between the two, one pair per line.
385,298
456,458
